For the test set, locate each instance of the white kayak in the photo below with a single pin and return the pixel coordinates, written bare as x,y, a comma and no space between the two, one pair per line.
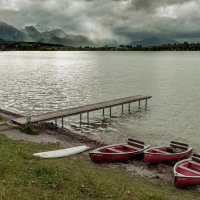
62,152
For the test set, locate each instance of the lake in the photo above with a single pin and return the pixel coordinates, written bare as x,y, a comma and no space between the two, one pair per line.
36,82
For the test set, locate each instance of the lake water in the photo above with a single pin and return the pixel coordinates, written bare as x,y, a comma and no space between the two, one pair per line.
35,82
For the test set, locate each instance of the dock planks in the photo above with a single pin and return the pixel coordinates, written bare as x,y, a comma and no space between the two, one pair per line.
80,109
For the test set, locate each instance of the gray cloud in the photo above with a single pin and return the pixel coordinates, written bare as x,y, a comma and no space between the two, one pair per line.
124,20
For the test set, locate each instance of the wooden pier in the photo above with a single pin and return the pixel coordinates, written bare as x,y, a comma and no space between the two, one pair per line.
82,109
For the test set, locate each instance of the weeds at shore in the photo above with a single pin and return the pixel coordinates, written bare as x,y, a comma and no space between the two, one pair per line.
26,177
29,129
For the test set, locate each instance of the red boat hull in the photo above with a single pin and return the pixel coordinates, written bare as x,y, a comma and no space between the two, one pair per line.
181,182
118,152
104,158
160,158
187,172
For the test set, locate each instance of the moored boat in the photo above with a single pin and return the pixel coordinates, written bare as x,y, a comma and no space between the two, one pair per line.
187,172
118,152
175,151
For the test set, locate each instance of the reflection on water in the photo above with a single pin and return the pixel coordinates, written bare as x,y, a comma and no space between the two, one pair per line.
35,82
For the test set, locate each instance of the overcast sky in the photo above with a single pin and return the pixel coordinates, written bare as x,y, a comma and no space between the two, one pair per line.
123,20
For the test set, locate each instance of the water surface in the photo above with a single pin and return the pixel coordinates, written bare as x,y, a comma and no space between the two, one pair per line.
36,82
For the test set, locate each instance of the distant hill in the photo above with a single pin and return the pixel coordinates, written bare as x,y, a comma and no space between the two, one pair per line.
2,41
10,33
154,41
31,34
57,32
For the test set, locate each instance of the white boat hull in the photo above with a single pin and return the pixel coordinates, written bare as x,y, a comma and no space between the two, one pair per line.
62,152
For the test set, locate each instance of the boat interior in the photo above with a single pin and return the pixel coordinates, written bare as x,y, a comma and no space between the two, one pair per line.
190,167
175,147
119,149
166,150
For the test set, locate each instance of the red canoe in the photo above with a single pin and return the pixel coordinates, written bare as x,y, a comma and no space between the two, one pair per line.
176,151
118,152
187,172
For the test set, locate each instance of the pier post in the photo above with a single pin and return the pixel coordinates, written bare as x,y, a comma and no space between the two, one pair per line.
103,112
129,107
122,109
139,105
88,120
145,104
80,119
29,120
56,121
110,111
62,123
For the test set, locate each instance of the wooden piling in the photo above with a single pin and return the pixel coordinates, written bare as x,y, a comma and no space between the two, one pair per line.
80,119
62,122
88,118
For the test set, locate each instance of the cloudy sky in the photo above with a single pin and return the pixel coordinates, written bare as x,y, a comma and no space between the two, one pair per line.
123,20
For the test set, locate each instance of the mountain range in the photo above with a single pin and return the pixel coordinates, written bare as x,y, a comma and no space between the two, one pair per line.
154,41
31,34
9,34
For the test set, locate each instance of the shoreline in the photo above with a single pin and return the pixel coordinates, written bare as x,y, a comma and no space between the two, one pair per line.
66,138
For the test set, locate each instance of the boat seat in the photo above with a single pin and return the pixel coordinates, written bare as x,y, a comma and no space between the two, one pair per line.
131,146
160,151
195,163
188,169
115,150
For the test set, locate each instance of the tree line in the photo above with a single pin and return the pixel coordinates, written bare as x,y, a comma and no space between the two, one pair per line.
36,46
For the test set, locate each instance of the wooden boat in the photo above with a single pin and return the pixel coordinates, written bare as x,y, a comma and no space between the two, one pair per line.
118,152
176,151
62,152
187,172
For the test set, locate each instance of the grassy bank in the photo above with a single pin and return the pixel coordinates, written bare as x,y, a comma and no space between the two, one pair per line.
26,177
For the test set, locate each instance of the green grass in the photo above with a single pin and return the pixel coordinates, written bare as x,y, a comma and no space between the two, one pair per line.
23,176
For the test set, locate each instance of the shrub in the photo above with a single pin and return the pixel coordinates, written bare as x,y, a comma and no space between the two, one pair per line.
29,129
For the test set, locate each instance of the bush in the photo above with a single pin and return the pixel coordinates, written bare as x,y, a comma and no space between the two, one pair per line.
29,129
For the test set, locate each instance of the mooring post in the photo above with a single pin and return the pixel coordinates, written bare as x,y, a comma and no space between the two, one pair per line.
110,111
122,109
62,123
28,119
139,105
129,107
88,118
145,103
80,119
103,112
